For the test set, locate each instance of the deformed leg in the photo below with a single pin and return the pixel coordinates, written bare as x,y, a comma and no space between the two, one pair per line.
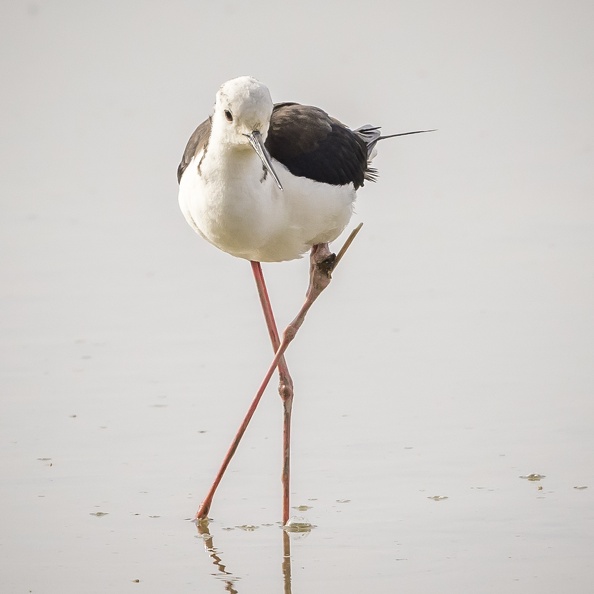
322,263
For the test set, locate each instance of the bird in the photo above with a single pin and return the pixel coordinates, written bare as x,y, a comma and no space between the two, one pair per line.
269,182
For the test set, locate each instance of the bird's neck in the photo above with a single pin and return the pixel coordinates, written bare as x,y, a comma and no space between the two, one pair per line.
230,164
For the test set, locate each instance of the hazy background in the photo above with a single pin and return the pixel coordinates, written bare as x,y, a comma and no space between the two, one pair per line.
453,352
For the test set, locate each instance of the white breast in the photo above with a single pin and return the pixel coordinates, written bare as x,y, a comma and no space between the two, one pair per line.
240,210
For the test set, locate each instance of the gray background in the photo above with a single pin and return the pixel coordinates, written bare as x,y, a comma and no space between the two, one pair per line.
452,354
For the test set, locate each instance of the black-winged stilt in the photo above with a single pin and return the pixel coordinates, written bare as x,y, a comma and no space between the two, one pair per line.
267,183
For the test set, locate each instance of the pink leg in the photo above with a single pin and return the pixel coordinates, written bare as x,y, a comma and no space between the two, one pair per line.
322,262
285,387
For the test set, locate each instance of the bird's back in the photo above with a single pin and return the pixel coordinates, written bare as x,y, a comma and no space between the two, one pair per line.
312,144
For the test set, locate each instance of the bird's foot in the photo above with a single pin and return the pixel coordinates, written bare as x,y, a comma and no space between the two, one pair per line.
202,523
326,266
321,265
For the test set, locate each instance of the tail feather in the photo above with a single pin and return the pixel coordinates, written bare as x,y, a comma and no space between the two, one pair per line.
407,133
371,135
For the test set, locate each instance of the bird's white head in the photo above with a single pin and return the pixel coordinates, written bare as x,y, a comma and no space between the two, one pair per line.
243,105
242,117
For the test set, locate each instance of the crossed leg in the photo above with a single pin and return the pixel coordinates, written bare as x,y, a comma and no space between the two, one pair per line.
322,263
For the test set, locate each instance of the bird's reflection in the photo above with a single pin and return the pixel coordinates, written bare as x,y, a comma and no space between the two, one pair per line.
228,578
287,562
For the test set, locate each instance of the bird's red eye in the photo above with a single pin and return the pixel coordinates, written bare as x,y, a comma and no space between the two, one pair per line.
228,115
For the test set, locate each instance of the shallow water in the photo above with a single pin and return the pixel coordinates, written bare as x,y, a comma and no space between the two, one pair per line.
451,356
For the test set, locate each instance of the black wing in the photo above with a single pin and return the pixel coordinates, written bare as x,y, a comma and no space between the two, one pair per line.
312,144
197,142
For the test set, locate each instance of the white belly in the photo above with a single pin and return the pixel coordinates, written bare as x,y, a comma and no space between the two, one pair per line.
242,212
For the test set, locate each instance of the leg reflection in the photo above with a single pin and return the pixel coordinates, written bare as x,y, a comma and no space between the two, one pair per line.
216,560
287,561
227,577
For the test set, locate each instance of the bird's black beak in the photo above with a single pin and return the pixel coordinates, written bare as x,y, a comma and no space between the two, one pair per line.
255,139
